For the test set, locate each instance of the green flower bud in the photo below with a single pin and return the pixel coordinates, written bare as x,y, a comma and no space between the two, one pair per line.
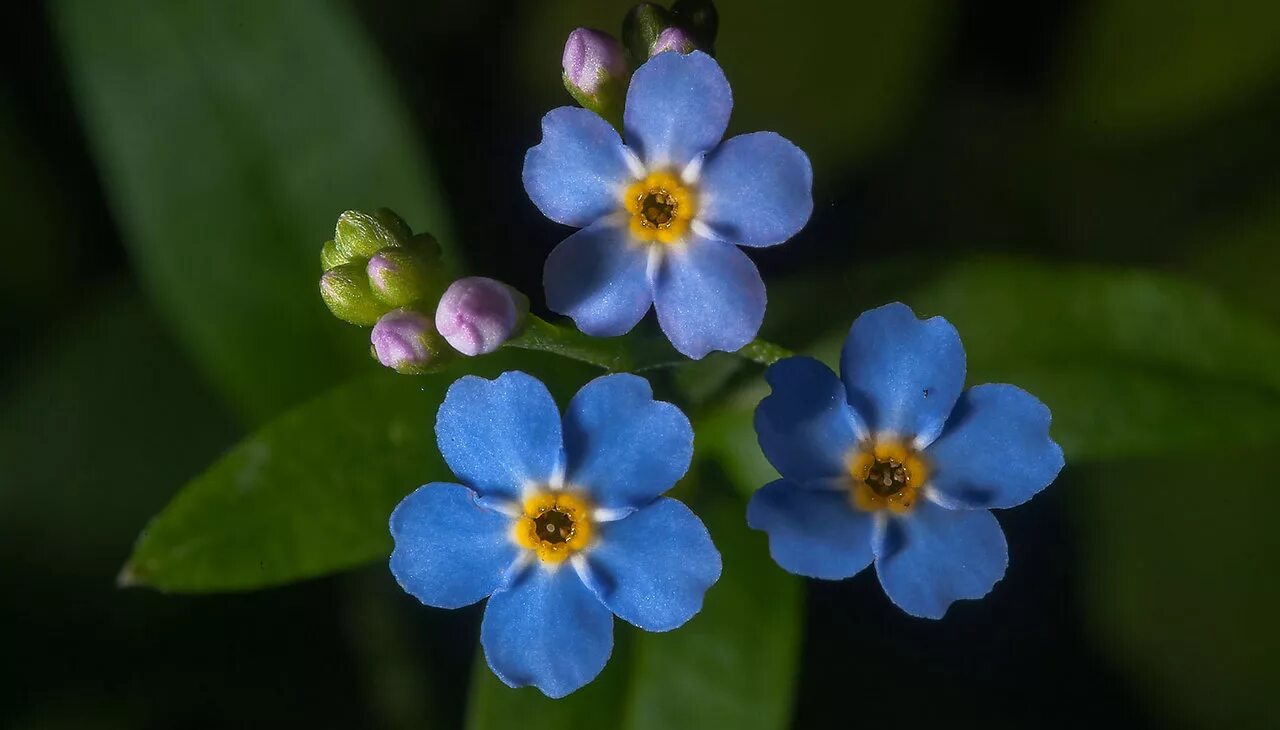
345,289
700,19
402,276
330,256
394,224
641,28
361,235
426,246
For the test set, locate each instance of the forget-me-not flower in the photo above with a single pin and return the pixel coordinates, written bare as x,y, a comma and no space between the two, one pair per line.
663,215
560,522
894,462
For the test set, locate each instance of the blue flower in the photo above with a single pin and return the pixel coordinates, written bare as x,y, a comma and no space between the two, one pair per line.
894,462
561,523
663,215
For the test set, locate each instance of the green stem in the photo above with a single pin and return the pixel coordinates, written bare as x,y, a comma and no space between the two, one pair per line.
631,352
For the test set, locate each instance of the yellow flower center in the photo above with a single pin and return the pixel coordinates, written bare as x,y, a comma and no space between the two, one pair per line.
886,474
660,207
554,525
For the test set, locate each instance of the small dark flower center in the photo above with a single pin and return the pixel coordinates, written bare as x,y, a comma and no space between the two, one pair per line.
657,208
554,526
887,477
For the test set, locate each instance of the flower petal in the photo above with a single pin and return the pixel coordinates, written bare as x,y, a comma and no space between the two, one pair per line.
500,435
548,630
653,567
756,190
623,447
933,556
903,374
598,277
449,551
995,450
677,107
575,173
709,296
805,427
813,532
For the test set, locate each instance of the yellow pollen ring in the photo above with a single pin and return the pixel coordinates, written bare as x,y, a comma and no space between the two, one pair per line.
888,475
660,207
554,525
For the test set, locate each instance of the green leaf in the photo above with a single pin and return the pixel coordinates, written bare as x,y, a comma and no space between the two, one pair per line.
230,135
1130,362
311,492
733,665
1179,575
1139,66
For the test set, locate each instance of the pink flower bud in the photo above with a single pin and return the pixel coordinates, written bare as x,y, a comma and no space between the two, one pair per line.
406,341
476,315
673,39
592,57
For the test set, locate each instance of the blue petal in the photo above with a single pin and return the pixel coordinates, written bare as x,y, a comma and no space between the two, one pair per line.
933,556
903,374
995,450
575,173
450,551
548,630
677,107
623,447
756,190
805,427
653,567
598,278
709,296
499,435
813,532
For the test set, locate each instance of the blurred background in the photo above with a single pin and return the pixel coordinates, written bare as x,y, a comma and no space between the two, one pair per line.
1089,190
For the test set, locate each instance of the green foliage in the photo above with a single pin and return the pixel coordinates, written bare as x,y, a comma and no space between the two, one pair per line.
225,165
1179,559
310,493
1145,65
733,665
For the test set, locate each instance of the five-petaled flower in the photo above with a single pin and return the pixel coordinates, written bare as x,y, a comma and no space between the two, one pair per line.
561,523
894,462
663,215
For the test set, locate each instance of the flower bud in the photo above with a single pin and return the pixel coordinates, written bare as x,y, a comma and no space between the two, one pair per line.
673,39
700,19
476,315
345,288
595,72
407,342
401,276
361,235
641,28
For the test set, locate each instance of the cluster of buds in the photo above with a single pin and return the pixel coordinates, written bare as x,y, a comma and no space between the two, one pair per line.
597,66
378,273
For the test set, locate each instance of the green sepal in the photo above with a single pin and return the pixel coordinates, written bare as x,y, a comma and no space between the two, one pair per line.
345,289
394,224
608,101
641,28
361,235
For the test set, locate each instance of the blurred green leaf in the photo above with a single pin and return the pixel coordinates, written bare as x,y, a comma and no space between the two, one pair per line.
230,135
733,665
780,62
1130,362
1145,65
310,493
1178,566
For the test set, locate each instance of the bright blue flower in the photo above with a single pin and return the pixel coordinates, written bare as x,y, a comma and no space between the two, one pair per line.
894,462
663,215
560,522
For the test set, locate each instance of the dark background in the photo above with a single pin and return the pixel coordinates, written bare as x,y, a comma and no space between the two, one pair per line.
1135,134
